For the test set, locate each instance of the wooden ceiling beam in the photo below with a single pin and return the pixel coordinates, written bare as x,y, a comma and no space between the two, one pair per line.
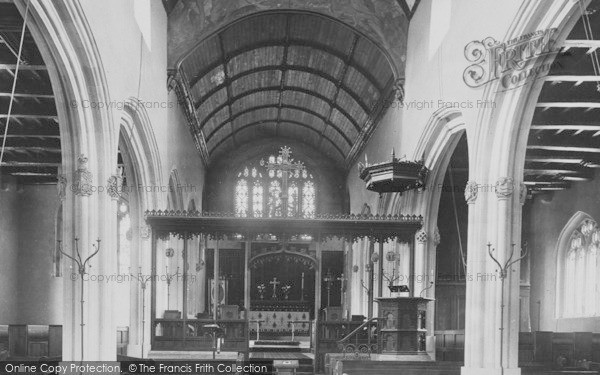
589,105
29,116
32,149
29,164
578,127
27,95
563,148
573,78
23,67
41,136
529,171
591,45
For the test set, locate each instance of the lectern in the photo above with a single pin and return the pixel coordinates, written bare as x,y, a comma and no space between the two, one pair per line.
403,325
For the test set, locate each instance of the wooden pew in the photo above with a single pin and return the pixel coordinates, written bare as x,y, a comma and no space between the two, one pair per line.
535,348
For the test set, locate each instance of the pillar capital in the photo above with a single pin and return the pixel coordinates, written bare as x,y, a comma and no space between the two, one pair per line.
504,187
82,178
522,193
471,191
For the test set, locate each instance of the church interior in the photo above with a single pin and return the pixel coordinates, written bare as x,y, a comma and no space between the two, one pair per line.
330,186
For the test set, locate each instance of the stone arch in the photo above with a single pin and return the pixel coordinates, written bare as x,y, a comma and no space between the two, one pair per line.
137,135
435,147
139,150
65,41
499,137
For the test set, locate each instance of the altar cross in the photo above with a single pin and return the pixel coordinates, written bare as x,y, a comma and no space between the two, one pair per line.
286,165
274,283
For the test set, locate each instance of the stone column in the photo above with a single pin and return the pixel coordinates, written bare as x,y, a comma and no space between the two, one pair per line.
491,336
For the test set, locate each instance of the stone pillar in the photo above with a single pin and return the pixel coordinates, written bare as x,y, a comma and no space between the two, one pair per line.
424,282
91,214
491,336
525,292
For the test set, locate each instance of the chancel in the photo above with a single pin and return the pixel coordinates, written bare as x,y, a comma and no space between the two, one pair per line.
334,186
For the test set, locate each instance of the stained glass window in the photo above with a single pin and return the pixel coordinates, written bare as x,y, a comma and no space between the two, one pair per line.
308,199
259,191
274,203
257,199
293,199
579,281
241,197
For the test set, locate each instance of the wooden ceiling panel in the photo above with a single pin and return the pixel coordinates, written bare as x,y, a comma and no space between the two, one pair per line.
208,82
367,54
352,108
256,58
357,83
310,82
259,99
343,123
260,80
316,59
254,116
301,99
216,119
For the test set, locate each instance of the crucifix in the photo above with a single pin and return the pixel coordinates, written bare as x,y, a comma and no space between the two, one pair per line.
286,165
274,283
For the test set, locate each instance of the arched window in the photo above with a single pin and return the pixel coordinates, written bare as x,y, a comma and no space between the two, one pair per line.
264,191
580,262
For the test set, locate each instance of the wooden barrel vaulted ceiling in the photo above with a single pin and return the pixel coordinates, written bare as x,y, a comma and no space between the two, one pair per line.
564,140
288,75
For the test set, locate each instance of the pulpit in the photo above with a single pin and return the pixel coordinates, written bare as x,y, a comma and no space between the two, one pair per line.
402,325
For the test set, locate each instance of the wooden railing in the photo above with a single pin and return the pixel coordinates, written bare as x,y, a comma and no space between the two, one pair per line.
191,334
255,328
361,342
329,333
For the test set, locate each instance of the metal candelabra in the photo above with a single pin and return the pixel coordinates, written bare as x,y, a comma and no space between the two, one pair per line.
143,280
503,270
81,269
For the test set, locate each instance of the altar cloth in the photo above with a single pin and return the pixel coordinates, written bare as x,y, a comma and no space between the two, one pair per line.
279,321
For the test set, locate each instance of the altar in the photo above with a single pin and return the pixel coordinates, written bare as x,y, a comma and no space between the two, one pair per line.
279,321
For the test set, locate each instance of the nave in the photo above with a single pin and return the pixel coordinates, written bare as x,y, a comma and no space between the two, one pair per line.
339,187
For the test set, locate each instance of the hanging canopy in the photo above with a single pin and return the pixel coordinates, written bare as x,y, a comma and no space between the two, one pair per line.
187,224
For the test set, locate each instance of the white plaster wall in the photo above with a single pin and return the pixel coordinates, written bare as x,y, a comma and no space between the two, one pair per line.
121,46
9,249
